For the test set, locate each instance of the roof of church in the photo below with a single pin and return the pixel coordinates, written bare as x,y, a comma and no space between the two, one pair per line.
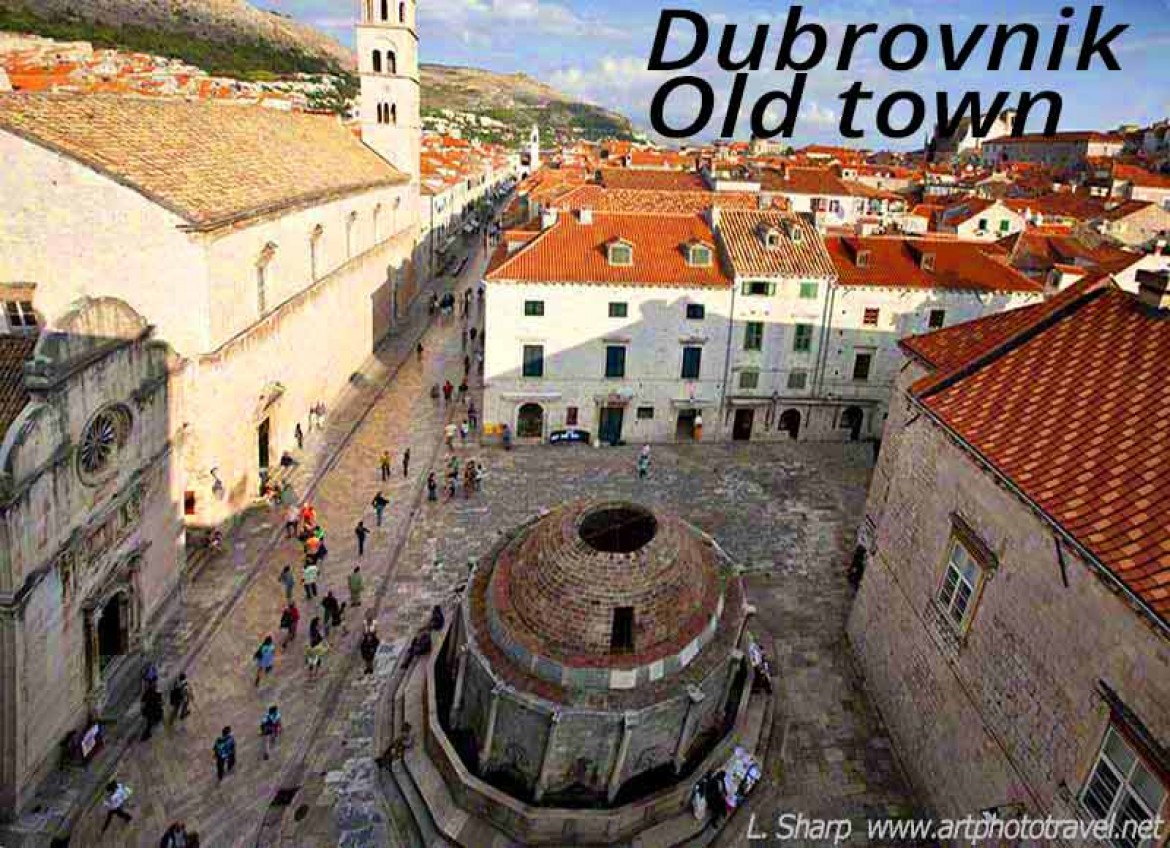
210,163
14,352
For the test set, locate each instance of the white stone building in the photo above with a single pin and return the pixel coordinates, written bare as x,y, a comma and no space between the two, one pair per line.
981,219
611,324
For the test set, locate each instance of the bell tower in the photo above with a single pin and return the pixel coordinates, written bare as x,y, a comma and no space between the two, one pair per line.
534,149
387,53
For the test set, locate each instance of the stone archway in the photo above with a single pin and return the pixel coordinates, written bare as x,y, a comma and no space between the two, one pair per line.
530,421
852,419
790,423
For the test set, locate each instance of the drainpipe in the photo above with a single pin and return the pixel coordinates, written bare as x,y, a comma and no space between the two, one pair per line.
727,355
826,332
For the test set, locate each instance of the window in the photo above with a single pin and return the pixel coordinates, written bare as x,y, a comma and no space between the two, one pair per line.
619,310
870,318
20,314
758,289
699,255
692,362
771,239
378,222
188,502
621,253
391,62
863,259
622,638
797,379
534,308
861,365
1123,788
262,278
749,379
959,585
645,413
385,10
401,13
571,416
753,335
802,341
615,361
377,61
350,227
315,250
927,262
808,291
696,312
1005,225
394,113
533,361
936,319
982,225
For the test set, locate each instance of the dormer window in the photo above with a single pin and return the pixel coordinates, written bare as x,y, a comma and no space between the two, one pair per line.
863,259
771,238
699,255
621,253
927,262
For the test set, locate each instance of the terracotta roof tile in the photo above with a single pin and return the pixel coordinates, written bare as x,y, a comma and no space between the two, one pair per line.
14,352
897,262
743,236
654,180
572,252
207,162
1070,407
653,201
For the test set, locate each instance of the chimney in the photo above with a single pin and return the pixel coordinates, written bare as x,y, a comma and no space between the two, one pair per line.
585,216
548,218
1154,288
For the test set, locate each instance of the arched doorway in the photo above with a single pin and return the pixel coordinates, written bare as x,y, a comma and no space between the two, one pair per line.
852,419
790,423
530,421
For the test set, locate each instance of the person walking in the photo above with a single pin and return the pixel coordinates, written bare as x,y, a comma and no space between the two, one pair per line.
309,578
464,429
384,463
406,463
449,435
315,656
181,698
361,531
332,611
369,649
152,710
472,417
117,794
265,658
379,503
356,584
448,388
643,464
418,350
463,337
175,836
270,729
292,518
224,750
432,487
290,617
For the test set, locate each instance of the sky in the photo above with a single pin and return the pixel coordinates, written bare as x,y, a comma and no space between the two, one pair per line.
598,51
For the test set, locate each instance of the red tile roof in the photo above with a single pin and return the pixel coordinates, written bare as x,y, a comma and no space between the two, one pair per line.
653,202
743,236
14,352
654,180
1140,176
897,262
572,252
1071,408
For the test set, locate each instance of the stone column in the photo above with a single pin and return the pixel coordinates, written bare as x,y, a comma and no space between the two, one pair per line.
695,696
547,758
619,765
735,663
485,749
97,689
460,677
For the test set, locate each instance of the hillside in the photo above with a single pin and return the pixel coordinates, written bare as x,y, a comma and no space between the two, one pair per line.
511,104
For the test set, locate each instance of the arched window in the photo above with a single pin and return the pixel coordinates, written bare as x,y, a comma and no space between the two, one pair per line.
263,278
401,13
377,222
350,227
315,251
377,61
385,10
394,113
391,62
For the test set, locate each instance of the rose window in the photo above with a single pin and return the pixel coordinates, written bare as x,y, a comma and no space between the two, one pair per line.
103,438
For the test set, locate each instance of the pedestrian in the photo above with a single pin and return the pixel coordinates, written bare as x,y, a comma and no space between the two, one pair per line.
117,794
643,463
315,634
315,656
152,710
309,578
180,698
287,581
379,503
472,417
463,390
468,479
384,463
265,658
361,531
299,435
175,836
270,729
479,476
464,428
369,649
292,517
406,463
432,487
224,750
332,609
463,336
506,437
472,333
466,365
289,619
356,584
149,675
449,435
418,351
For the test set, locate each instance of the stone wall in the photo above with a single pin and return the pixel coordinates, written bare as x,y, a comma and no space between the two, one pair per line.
1010,710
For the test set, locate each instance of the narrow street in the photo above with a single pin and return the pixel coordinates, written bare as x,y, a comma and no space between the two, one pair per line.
173,774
